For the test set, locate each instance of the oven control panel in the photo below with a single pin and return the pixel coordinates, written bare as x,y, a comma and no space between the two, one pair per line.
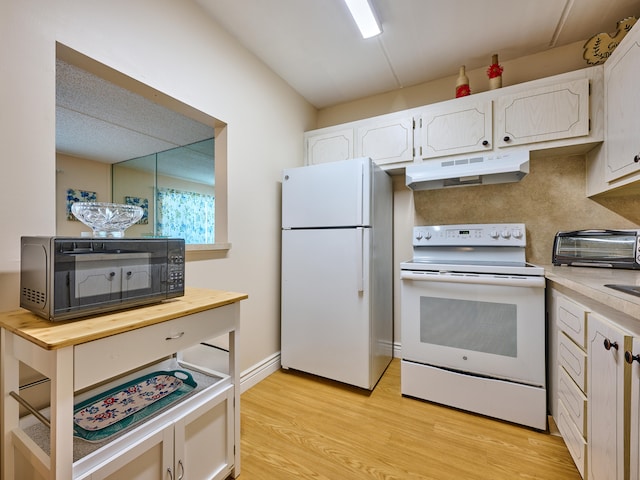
493,234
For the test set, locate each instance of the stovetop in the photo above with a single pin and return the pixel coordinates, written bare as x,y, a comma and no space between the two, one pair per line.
473,248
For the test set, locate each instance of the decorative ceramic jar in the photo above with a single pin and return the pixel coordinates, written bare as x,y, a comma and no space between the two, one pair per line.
462,84
494,72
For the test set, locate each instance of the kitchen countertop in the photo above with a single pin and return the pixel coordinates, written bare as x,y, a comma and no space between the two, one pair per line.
590,283
53,335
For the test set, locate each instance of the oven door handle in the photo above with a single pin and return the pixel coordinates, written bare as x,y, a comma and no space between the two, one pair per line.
506,280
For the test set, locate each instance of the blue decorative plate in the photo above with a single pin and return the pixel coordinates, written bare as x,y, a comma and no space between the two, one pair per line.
108,413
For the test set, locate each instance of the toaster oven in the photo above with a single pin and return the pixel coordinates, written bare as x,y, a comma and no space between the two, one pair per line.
598,248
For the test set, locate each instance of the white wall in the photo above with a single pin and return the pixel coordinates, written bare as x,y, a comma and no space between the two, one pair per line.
172,46
544,64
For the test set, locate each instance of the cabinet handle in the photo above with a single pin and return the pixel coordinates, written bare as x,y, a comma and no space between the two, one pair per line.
630,357
181,470
174,337
485,143
608,345
507,138
170,473
636,158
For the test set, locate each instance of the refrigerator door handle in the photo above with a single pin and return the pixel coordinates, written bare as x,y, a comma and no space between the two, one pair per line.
360,196
360,259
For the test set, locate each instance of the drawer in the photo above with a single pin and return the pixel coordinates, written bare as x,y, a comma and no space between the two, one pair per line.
572,319
108,357
573,399
573,439
573,359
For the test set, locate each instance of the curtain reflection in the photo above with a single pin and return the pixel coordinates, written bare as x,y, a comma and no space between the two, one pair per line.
188,215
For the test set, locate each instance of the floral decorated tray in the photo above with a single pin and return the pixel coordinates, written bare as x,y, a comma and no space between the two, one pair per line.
108,413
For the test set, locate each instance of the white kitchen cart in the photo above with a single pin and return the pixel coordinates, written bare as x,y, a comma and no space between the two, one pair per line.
197,437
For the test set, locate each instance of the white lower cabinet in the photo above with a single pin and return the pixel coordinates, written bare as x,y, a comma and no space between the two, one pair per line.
596,386
569,405
633,358
149,459
608,380
197,446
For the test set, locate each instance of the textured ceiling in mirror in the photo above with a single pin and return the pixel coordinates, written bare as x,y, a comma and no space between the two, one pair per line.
100,121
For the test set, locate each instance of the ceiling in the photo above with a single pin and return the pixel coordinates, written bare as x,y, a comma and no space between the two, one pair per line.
316,47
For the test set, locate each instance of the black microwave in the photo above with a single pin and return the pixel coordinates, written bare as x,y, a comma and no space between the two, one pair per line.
63,277
598,248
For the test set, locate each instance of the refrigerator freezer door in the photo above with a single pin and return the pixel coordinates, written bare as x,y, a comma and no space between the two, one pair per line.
325,304
335,194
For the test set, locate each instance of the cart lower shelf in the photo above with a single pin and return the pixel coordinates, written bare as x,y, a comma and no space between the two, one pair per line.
88,442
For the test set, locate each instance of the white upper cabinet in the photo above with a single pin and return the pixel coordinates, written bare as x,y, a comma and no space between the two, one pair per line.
458,127
542,114
328,145
617,163
563,111
386,139
622,108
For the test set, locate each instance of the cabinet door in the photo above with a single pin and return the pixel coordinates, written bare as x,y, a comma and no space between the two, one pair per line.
328,146
543,114
387,139
606,397
458,127
149,459
622,104
634,457
204,440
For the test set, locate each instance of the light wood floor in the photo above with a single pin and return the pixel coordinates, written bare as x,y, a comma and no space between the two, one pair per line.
296,426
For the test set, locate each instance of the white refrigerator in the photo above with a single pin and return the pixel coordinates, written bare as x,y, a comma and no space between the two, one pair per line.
337,274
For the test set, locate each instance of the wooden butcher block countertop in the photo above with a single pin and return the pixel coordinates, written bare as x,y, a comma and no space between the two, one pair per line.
53,335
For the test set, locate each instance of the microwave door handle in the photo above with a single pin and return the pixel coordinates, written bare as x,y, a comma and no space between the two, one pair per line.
164,277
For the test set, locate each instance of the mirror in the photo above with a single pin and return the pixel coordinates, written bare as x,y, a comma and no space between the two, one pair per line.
177,201
157,151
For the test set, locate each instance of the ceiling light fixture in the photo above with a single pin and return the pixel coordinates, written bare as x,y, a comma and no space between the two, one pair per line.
364,17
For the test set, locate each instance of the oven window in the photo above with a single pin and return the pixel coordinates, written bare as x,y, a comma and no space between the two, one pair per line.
486,327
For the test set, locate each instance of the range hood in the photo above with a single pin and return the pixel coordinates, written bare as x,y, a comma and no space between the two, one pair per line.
476,170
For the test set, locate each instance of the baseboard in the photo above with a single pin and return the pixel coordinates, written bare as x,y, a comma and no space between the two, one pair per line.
397,349
258,372
261,370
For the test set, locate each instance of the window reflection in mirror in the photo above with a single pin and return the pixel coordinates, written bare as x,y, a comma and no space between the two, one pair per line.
175,187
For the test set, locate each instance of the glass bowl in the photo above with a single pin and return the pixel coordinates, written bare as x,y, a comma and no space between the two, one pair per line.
107,219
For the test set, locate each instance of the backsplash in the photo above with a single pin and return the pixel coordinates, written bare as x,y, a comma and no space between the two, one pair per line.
550,198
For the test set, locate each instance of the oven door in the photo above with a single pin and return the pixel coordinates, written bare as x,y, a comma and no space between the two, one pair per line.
481,324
